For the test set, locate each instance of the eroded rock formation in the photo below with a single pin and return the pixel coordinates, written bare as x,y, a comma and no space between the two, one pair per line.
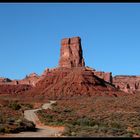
107,76
8,86
71,54
30,79
126,83
66,82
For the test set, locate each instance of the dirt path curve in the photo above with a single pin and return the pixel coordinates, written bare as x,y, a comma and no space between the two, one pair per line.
42,130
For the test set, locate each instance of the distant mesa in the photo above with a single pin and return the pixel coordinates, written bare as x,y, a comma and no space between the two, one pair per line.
126,83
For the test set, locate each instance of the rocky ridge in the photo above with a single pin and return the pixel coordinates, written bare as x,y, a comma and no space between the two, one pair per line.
126,83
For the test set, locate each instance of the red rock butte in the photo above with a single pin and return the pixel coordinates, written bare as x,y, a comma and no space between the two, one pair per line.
70,78
71,54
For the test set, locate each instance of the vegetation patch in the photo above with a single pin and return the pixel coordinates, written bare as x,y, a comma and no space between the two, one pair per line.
12,117
97,117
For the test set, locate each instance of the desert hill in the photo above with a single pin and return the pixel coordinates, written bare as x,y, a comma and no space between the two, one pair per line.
68,82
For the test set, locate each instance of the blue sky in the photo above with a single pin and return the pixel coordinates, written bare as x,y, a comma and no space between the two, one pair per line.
30,36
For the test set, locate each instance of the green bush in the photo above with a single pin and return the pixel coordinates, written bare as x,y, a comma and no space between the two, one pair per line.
137,131
58,110
48,116
7,129
2,129
24,125
128,134
115,124
84,122
15,105
10,120
67,110
27,106
1,119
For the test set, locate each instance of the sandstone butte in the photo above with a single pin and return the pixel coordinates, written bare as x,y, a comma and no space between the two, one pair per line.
70,78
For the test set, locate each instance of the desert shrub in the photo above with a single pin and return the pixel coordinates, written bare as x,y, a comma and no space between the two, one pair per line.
58,123
137,131
7,129
29,125
27,106
24,125
129,134
73,133
14,105
57,109
1,118
54,104
49,117
67,110
84,122
115,124
67,130
10,120
103,129
95,127
2,129
42,114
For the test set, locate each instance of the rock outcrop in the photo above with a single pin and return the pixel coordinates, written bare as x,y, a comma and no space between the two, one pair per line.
106,76
8,86
30,79
126,83
71,54
71,82
4,80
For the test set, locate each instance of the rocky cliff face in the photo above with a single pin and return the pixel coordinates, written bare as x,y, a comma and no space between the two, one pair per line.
71,54
106,76
130,84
